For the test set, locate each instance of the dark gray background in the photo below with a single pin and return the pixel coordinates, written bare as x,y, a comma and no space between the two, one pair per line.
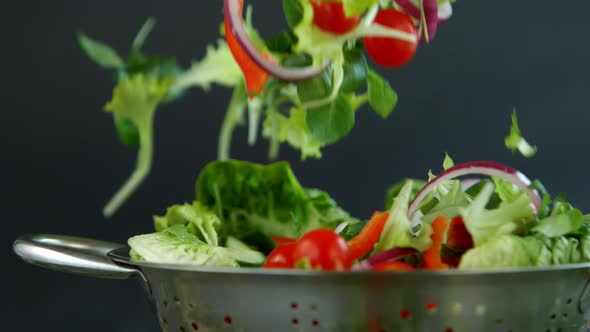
61,161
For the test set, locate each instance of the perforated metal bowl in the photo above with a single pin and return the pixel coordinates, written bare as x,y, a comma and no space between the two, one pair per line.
189,298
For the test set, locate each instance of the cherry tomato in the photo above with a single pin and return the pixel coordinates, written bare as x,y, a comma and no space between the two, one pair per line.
281,257
324,249
392,52
392,266
330,17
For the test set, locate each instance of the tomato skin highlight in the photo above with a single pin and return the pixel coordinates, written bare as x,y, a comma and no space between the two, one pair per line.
431,257
391,52
361,244
324,249
330,17
254,76
392,266
281,257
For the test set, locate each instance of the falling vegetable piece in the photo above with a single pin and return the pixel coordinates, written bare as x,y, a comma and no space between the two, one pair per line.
431,257
514,141
489,168
362,244
233,19
429,19
136,99
330,17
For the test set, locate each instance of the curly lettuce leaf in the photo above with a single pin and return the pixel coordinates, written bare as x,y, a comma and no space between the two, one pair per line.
448,204
136,99
484,224
395,189
560,224
396,232
503,251
218,66
199,220
514,141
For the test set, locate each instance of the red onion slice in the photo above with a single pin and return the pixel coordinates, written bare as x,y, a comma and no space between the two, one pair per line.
388,255
488,168
431,16
233,15
412,8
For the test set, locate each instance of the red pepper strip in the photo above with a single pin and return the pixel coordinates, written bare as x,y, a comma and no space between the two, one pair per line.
254,76
458,237
392,266
280,240
361,244
431,257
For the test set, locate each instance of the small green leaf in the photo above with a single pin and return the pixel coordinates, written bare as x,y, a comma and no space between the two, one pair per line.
293,12
357,7
331,122
315,88
355,71
99,52
514,141
127,131
448,162
143,33
382,97
281,43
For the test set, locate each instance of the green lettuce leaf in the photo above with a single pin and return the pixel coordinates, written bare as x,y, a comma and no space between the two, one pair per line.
560,224
199,220
485,224
136,99
357,7
255,202
382,97
100,53
396,232
175,245
395,189
514,141
449,204
503,251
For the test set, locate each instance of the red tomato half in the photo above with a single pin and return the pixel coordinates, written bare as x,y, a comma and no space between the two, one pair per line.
330,17
324,249
281,257
392,52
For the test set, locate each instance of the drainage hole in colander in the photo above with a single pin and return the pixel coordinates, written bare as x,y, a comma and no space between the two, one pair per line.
195,326
295,321
227,319
499,321
315,323
448,329
182,329
431,306
165,304
294,305
313,307
569,301
553,316
190,305
176,300
164,321
405,313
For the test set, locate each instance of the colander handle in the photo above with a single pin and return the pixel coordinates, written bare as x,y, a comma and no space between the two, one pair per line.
71,254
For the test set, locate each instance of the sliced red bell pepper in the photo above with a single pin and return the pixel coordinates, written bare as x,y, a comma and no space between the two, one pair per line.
458,237
361,244
254,76
392,266
431,257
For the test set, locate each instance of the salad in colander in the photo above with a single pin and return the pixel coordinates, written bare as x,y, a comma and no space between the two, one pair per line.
304,87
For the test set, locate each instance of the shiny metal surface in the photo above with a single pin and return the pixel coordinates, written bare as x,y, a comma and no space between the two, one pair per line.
197,299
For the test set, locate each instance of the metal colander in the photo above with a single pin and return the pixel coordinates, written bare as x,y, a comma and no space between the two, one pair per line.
188,298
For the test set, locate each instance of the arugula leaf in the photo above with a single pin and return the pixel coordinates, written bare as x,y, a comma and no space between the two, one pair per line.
514,141
100,53
293,12
136,99
382,97
331,122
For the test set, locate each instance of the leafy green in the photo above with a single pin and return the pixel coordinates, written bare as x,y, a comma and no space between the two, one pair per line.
448,162
355,70
331,122
126,131
218,66
485,224
136,99
396,232
100,53
281,43
357,7
293,12
514,141
143,33
234,116
256,201
503,251
560,224
395,189
198,220
382,98
175,245
448,204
